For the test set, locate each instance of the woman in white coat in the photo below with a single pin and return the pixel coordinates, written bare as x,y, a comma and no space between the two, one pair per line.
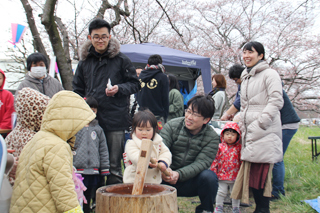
261,101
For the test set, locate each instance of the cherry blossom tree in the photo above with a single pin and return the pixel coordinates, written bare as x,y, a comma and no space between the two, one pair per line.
217,29
285,29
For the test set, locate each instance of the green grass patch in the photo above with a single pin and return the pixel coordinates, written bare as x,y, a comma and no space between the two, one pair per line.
302,180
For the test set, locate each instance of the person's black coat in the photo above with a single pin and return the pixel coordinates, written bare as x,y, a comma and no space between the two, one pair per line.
91,79
154,93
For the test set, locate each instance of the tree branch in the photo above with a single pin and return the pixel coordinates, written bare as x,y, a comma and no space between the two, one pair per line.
33,28
64,63
116,8
169,19
103,7
65,37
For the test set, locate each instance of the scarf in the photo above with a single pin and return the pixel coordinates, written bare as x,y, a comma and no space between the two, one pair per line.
250,68
159,66
215,90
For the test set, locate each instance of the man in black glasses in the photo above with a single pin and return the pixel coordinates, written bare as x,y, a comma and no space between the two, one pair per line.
193,144
107,75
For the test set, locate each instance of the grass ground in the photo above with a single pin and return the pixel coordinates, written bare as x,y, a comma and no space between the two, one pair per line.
302,180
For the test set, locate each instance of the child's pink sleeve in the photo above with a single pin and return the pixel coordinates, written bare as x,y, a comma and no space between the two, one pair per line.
214,164
239,152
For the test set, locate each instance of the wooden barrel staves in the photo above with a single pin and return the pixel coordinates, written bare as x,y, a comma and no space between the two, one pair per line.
156,198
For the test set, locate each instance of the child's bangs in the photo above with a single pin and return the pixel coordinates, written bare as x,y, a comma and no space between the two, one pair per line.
142,122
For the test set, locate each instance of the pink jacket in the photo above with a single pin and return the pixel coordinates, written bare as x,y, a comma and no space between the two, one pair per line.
227,162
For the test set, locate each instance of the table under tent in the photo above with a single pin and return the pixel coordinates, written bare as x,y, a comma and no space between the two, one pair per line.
187,67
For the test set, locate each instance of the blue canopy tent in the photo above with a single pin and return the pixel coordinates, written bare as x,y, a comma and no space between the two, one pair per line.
186,66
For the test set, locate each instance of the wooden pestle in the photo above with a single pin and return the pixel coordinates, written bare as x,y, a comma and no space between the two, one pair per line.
142,166
153,161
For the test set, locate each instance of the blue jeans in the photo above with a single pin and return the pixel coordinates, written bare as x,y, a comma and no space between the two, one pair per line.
204,185
278,171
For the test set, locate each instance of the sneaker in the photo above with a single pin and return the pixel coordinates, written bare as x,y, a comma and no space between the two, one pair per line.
93,206
218,209
236,210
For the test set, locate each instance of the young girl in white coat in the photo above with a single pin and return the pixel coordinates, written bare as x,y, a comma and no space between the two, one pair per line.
145,126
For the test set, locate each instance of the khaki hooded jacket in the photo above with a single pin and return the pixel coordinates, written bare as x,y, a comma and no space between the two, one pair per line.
44,174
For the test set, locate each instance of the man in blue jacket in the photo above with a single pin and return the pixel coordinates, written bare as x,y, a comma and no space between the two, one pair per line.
234,74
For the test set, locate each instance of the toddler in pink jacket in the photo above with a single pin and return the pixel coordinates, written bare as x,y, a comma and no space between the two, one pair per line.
227,164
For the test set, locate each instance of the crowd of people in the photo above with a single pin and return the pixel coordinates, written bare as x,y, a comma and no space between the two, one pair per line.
114,106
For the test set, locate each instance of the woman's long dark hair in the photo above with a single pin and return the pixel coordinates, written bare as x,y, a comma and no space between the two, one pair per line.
173,82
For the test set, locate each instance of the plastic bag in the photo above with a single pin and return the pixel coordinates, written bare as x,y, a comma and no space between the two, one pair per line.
79,187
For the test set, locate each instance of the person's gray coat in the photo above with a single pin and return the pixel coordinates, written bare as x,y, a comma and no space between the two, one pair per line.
91,150
49,86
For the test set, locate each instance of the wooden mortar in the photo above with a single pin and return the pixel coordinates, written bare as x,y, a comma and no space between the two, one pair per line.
117,198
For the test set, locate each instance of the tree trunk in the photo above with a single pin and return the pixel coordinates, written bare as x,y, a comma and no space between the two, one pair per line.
64,63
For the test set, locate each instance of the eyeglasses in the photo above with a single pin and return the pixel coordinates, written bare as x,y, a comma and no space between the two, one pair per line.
103,38
194,114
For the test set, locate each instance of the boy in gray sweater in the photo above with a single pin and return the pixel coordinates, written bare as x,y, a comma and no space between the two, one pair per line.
91,155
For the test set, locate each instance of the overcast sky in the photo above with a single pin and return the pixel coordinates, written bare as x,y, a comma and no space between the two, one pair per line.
11,11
